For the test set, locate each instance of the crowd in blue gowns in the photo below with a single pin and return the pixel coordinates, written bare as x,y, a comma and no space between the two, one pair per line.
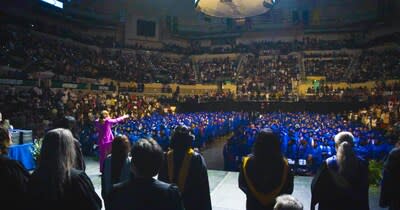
205,126
307,139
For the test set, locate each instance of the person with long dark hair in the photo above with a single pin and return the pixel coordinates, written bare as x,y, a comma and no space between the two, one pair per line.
116,166
187,169
390,186
104,125
342,177
56,184
13,176
265,173
69,122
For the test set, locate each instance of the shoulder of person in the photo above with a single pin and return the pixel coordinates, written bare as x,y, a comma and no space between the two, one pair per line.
165,186
11,164
331,162
395,152
197,154
77,173
119,187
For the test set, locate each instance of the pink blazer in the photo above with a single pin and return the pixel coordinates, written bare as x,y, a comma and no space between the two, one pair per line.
104,129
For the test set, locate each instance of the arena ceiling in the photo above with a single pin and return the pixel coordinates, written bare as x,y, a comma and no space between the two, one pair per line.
284,13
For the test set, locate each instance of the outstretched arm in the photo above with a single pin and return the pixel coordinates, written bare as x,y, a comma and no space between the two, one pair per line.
117,120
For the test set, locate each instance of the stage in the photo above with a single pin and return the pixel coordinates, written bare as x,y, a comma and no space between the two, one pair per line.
225,194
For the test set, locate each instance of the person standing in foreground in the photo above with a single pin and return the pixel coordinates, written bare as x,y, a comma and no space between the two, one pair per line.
390,186
188,170
56,184
13,176
265,174
342,177
142,191
116,166
104,125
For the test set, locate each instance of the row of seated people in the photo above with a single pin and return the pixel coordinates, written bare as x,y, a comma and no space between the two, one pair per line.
307,138
215,69
33,52
321,91
333,68
272,74
178,70
378,65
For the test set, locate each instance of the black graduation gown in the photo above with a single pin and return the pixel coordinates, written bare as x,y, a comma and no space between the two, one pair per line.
196,195
13,181
79,161
264,183
79,193
144,194
330,195
390,187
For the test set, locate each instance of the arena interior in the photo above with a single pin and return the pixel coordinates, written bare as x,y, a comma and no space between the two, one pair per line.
223,73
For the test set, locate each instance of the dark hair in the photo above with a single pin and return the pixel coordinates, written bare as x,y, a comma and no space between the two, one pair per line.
147,157
267,148
119,152
181,139
67,122
4,140
57,158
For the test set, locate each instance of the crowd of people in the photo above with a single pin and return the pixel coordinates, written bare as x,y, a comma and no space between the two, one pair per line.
24,48
307,138
33,52
182,181
272,75
38,109
138,137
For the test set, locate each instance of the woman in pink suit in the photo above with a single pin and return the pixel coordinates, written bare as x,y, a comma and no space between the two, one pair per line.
104,125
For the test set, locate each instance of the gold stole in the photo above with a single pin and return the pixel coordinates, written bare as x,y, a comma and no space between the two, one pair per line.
265,198
183,171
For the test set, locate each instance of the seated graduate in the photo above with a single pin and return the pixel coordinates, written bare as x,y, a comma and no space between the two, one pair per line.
342,180
13,176
265,174
188,170
56,184
390,186
142,191
117,166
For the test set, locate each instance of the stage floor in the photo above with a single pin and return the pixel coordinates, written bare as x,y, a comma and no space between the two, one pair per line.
225,194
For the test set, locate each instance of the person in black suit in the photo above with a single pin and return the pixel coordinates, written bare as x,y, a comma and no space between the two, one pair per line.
188,170
265,174
390,186
13,176
142,191
342,177
56,184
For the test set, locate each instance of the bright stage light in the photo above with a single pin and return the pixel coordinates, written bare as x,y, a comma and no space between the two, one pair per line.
234,8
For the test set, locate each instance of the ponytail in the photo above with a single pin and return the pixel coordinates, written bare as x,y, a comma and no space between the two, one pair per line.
347,161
